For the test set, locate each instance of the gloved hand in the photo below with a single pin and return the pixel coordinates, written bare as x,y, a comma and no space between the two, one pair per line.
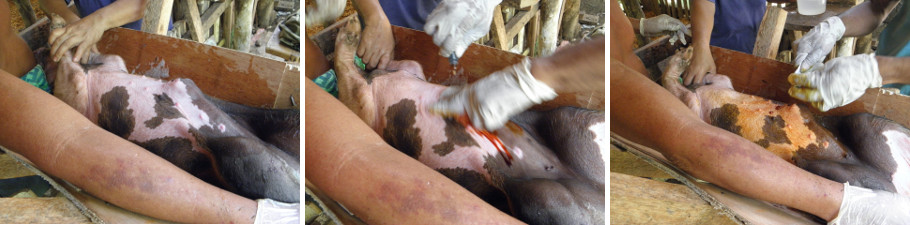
816,44
454,24
864,206
83,35
325,12
274,212
490,101
664,25
836,83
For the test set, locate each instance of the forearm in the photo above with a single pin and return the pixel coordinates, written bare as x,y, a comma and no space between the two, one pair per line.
59,7
371,12
375,181
864,18
636,24
652,116
702,24
894,69
576,68
118,13
63,143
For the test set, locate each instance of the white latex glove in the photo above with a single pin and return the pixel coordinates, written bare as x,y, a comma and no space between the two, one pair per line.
816,44
864,206
325,12
836,83
664,25
454,24
490,101
274,212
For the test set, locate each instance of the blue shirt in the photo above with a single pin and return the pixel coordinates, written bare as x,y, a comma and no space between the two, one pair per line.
87,7
895,37
408,13
736,23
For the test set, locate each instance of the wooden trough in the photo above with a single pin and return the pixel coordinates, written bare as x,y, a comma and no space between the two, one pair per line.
766,78
223,73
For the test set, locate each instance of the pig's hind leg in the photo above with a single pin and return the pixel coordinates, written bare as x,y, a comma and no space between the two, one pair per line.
881,144
354,88
279,127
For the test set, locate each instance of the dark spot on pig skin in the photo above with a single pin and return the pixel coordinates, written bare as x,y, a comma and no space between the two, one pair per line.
116,116
475,183
455,135
725,117
178,151
164,109
399,130
774,130
763,143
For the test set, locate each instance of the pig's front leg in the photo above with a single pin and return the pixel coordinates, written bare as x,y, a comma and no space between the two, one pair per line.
70,85
670,80
354,89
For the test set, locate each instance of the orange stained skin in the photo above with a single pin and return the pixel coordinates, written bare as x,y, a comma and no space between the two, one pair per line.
490,136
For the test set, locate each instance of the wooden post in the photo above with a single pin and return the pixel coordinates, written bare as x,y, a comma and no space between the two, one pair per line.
570,23
845,46
864,44
195,24
534,34
498,29
769,33
550,26
227,24
265,13
27,12
157,14
243,25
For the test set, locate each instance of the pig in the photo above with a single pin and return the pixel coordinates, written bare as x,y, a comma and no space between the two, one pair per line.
250,151
862,149
553,171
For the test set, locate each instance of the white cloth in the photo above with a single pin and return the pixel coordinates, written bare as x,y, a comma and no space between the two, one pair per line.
325,12
489,102
815,45
664,25
838,82
865,206
454,24
274,212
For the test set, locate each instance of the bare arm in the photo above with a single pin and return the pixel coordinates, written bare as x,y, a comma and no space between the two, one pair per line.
63,143
15,57
58,7
864,18
702,60
575,68
894,69
377,182
379,49
83,34
646,113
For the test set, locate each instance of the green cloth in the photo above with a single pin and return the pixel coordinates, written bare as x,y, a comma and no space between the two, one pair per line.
37,78
894,38
329,82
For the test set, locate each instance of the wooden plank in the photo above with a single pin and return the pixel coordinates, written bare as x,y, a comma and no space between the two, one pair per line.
212,14
10,168
223,73
157,15
243,25
534,34
770,32
550,25
193,22
40,210
845,46
289,89
500,40
627,163
635,200
518,21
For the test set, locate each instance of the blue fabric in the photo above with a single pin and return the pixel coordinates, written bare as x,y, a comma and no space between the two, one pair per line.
36,77
895,40
736,23
87,7
408,13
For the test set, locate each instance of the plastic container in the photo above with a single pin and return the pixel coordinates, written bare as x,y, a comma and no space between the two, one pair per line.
810,7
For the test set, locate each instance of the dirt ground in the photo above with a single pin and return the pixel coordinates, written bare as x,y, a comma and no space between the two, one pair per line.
18,23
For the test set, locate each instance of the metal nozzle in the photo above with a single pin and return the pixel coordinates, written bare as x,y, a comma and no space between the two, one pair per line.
453,60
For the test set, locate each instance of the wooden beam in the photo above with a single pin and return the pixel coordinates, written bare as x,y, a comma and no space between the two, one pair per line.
769,33
27,12
195,24
519,21
534,34
570,23
40,210
213,14
845,46
550,25
635,200
157,15
243,25
500,40
227,24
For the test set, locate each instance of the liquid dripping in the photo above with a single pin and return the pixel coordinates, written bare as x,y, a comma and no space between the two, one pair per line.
491,137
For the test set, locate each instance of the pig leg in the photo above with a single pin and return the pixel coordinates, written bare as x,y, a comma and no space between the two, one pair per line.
279,127
256,173
353,89
857,175
70,84
670,80
881,144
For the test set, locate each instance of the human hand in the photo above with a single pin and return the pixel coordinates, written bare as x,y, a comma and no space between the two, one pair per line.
274,212
864,206
454,24
815,45
836,83
702,63
664,25
82,34
377,44
490,101
324,12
